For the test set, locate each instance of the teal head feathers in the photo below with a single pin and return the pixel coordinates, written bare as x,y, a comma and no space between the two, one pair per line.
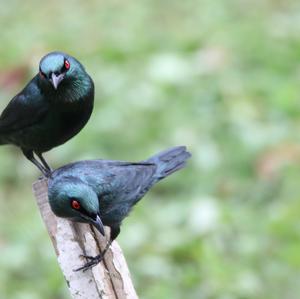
75,200
61,71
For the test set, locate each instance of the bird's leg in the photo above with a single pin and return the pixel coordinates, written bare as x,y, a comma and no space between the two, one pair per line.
29,155
94,260
45,164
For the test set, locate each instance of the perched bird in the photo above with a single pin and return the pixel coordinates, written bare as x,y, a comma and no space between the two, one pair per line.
102,192
52,108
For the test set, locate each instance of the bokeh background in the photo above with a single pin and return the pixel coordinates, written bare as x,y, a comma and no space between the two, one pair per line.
221,77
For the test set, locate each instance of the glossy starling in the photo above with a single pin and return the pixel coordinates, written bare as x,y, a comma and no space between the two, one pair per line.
52,108
102,192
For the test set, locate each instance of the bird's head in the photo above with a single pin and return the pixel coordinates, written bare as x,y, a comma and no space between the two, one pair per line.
58,67
75,200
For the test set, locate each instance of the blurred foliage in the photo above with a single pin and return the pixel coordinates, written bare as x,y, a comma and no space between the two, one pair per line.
221,77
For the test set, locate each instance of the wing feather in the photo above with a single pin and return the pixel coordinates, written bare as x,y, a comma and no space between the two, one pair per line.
24,110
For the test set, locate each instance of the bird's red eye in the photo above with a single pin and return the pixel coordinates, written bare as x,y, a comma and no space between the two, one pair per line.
42,74
67,64
75,204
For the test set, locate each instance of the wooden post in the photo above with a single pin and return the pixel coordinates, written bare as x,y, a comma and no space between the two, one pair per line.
109,279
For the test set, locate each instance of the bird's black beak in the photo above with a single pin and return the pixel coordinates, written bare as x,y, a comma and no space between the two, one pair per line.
56,79
99,225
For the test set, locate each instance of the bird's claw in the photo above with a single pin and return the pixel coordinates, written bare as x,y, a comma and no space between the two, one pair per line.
94,260
48,174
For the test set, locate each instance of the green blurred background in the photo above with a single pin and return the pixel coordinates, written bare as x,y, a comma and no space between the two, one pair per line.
221,77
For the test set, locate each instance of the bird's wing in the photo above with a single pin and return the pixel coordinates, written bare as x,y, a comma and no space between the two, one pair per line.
132,179
122,186
119,185
24,110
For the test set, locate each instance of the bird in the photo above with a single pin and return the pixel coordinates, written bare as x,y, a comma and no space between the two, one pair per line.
103,192
53,107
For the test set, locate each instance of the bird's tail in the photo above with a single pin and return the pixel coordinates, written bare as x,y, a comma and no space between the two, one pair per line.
169,161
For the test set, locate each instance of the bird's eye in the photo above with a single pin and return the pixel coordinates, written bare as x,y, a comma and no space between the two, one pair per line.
42,75
67,64
75,204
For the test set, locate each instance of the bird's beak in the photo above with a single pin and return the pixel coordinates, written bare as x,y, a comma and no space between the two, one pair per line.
56,79
99,225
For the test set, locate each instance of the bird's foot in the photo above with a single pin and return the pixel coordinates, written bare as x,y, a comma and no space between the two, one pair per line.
93,261
48,174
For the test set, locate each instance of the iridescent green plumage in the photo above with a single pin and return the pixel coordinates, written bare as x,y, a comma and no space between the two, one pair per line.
52,108
106,191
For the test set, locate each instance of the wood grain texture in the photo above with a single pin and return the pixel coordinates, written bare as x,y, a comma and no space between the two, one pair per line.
110,279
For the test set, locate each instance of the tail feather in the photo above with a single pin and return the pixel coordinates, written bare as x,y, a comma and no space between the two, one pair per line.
169,161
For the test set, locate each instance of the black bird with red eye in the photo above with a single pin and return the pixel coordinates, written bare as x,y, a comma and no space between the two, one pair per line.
103,192
52,108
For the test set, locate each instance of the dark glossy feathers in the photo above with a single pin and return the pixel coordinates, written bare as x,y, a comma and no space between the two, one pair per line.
24,110
120,185
41,117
